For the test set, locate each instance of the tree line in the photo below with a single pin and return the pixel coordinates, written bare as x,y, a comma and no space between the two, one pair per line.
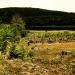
35,17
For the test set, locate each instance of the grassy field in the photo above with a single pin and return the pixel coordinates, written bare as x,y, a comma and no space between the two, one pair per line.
43,57
51,31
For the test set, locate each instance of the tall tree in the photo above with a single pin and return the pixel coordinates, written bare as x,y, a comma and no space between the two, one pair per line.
19,24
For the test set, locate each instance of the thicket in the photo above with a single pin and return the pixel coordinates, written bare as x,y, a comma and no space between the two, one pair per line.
10,35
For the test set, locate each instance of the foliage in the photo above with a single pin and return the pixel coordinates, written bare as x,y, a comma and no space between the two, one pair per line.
9,36
19,25
6,33
17,53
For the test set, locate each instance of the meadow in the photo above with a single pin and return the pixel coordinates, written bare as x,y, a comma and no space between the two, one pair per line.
37,53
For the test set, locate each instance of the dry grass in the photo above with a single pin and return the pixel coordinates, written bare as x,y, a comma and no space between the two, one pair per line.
49,59
55,58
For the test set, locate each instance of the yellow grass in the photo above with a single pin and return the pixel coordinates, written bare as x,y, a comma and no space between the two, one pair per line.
68,45
64,45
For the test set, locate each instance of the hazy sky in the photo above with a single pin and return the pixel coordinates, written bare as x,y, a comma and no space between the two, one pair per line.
61,5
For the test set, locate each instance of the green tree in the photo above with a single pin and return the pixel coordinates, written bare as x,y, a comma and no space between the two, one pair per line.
19,25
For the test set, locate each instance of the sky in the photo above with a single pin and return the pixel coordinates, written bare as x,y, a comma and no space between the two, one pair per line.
60,5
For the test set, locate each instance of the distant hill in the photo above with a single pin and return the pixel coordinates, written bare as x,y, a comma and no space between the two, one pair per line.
37,18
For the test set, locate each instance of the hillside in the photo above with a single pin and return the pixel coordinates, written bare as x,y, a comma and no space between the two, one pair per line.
36,18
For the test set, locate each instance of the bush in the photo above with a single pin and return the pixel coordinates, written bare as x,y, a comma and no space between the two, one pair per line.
16,52
6,34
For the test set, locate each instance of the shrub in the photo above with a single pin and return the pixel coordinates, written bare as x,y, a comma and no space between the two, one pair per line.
16,52
6,34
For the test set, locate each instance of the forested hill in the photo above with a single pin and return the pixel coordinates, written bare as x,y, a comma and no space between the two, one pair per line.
35,17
